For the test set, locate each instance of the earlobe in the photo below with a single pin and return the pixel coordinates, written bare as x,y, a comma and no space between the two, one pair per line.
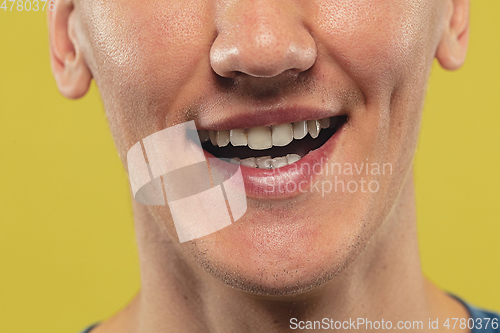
69,67
452,48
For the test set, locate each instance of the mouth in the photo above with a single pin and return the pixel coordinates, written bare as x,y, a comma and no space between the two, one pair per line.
270,147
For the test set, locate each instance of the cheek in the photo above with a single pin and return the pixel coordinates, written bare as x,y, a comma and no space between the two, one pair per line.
146,52
148,47
385,47
376,42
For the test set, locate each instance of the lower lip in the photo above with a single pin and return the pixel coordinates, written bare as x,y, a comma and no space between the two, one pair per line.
290,180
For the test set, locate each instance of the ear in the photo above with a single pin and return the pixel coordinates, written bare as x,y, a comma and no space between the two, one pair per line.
69,67
452,47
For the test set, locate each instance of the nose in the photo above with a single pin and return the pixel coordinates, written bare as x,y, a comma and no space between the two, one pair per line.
260,38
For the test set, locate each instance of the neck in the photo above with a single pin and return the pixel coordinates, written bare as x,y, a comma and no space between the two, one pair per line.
384,282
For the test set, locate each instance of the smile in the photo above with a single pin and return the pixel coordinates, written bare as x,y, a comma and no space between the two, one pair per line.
270,147
276,160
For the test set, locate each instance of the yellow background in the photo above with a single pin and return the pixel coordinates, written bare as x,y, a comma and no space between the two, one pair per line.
67,246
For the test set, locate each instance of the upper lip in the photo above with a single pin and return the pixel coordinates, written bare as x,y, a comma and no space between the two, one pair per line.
255,118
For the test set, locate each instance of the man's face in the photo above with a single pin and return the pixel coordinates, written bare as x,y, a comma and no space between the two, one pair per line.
241,64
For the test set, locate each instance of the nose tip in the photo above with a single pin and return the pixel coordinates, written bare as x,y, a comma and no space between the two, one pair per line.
265,46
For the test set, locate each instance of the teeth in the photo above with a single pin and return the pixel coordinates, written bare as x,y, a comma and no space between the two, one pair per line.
314,128
279,162
223,138
259,138
249,162
213,137
299,130
235,160
292,158
238,137
264,137
324,123
282,134
204,136
264,162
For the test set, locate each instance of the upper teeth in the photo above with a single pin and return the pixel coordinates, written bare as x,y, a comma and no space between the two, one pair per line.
264,137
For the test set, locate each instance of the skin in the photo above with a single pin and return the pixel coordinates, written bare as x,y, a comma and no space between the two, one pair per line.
341,255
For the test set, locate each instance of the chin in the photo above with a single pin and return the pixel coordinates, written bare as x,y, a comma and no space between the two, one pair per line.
280,255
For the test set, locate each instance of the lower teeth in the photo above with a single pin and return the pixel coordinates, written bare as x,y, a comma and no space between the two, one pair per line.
266,162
